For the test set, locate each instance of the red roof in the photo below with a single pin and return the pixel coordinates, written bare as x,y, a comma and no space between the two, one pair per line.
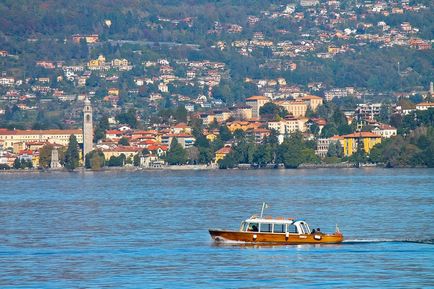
257,97
156,147
224,150
181,125
114,131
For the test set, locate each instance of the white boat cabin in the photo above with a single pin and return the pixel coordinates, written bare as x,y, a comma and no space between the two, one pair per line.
275,226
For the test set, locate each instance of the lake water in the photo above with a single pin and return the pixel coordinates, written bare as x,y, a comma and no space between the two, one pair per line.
149,229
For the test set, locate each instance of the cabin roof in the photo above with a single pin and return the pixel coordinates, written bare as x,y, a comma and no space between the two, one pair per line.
268,220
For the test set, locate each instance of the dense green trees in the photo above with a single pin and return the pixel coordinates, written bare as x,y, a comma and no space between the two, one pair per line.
291,153
21,163
414,149
176,154
95,160
272,111
72,155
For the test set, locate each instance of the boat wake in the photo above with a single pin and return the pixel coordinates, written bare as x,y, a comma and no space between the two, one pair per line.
365,241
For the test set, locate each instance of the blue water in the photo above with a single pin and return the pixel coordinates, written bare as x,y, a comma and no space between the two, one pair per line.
149,229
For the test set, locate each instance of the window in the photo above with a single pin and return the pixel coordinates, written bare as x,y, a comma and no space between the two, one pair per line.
265,227
292,229
279,228
253,227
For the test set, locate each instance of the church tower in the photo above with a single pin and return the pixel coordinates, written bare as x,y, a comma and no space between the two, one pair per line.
87,127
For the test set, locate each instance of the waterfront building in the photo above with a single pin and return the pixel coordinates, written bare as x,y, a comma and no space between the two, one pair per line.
221,153
53,136
350,142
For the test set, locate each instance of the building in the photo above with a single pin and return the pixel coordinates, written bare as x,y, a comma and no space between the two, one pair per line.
127,151
54,136
256,102
351,141
312,101
424,105
186,140
385,130
287,126
241,112
296,108
87,128
222,153
368,110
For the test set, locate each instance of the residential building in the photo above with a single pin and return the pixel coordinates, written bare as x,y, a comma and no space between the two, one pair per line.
350,142
222,153
385,130
186,140
256,102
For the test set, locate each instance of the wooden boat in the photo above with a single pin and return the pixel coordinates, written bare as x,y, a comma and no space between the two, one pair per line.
268,230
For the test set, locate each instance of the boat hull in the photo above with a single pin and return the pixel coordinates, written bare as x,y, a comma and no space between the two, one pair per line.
272,238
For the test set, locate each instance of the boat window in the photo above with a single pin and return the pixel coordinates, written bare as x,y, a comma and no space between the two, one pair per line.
253,227
265,227
244,226
292,229
279,228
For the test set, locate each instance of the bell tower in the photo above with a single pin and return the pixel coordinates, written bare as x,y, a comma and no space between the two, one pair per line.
87,127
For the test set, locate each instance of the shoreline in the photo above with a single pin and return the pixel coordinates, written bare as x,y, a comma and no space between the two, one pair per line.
209,168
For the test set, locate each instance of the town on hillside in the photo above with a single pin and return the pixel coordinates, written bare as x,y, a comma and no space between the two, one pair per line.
247,85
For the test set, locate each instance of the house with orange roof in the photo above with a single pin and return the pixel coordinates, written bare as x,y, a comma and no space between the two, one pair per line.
113,134
243,125
181,128
222,153
158,149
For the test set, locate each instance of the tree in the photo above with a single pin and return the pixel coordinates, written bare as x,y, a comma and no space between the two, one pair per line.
128,117
45,155
95,160
181,114
101,128
176,154
271,111
118,161
72,155
228,162
225,133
